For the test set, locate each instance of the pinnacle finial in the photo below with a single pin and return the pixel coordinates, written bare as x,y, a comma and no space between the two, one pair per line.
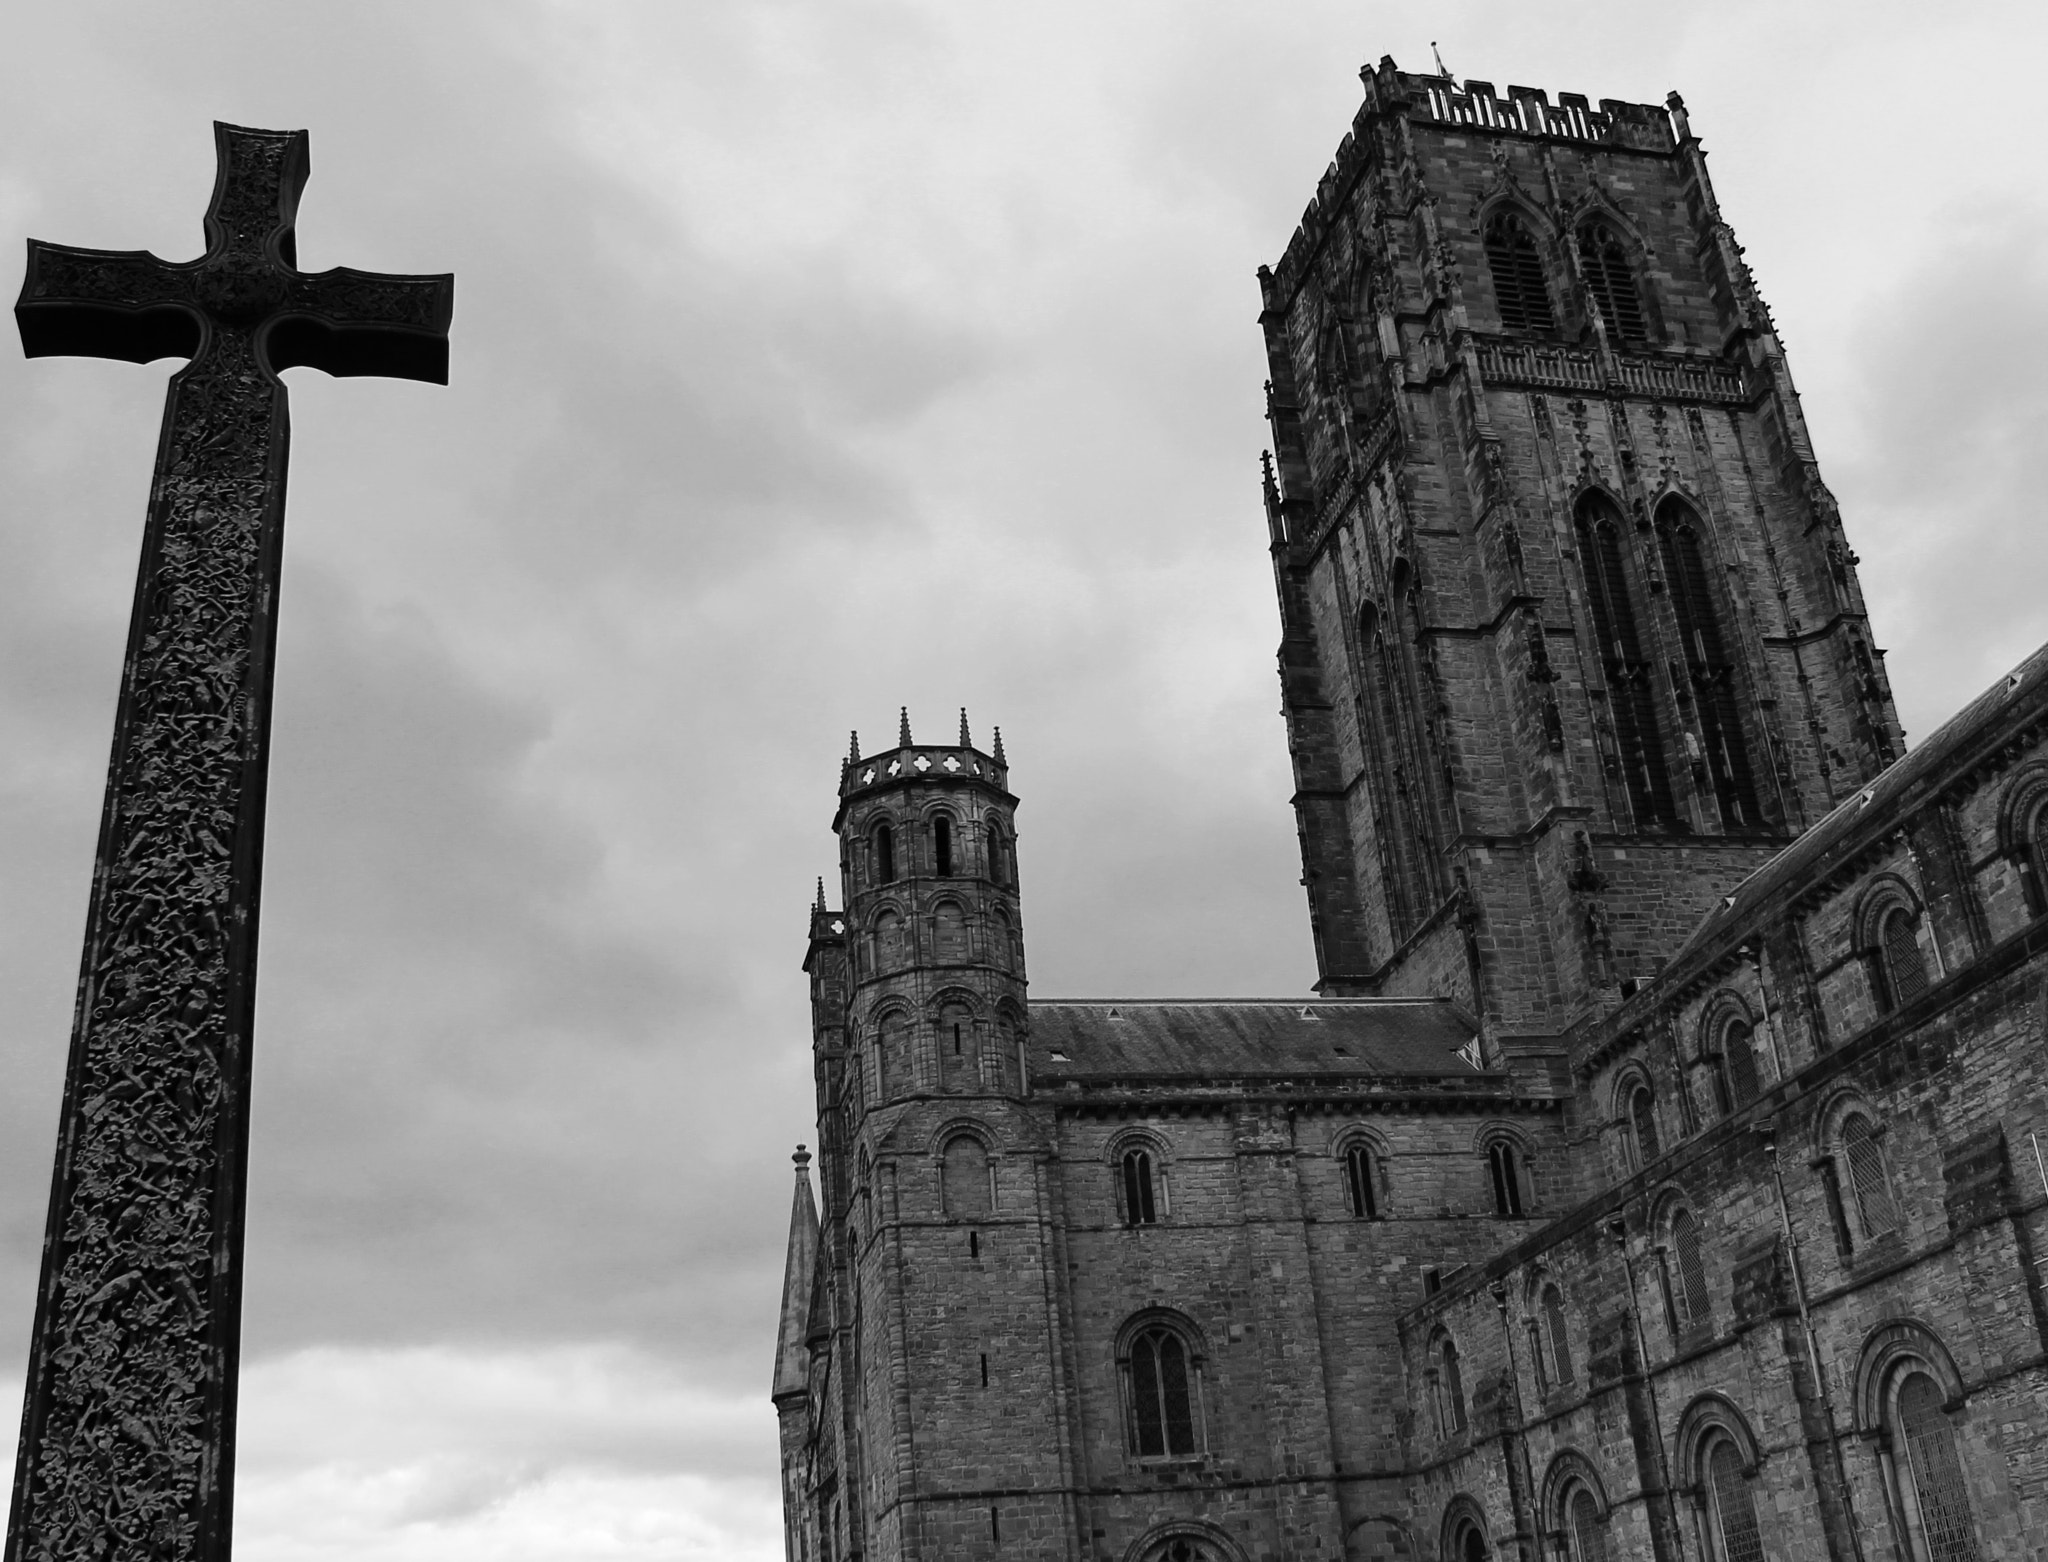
999,748
903,728
965,740
821,893
802,1158
853,749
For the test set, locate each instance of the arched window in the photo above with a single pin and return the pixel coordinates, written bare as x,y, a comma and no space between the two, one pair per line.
2037,854
1732,1509
1939,1505
889,941
1689,1286
1869,1184
1139,1188
1508,1175
1642,1122
2024,834
959,1053
1611,278
1361,1181
966,1180
942,846
892,1044
1187,1547
1708,665
1631,700
949,932
1588,1528
1381,737
1007,947
1898,948
885,854
1738,1059
1518,284
1559,1340
1450,1388
1000,862
1163,1392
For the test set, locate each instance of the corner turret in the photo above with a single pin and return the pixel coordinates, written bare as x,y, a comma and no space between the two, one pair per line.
933,935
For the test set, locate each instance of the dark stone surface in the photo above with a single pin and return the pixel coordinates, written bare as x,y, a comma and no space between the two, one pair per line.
127,1446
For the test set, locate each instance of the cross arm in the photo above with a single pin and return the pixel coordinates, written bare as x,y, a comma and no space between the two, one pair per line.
105,303
346,322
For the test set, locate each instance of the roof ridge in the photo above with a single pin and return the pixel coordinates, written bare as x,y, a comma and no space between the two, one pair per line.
1289,1003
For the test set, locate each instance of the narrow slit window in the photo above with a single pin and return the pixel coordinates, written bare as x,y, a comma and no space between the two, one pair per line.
942,846
885,854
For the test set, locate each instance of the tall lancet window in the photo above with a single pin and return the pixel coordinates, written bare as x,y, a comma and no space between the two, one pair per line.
1611,277
1631,700
1387,772
1518,284
1708,664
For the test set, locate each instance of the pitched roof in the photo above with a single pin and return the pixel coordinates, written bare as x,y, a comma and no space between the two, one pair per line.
1082,1039
792,1355
1880,806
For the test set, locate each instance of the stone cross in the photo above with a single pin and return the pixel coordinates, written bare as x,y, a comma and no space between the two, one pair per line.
128,1431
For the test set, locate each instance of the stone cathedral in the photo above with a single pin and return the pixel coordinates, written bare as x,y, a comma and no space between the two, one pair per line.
1656,1169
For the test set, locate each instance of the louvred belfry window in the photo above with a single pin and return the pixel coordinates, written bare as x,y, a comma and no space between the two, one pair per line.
1518,284
1630,698
1707,666
1612,280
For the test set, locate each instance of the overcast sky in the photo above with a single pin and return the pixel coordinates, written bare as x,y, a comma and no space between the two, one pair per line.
811,357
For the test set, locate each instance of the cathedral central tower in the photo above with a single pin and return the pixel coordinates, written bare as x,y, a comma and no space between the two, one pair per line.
1572,637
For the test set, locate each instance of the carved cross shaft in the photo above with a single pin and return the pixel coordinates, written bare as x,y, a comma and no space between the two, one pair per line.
128,1431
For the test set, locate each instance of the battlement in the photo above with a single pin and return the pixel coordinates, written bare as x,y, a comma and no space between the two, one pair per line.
1526,112
921,761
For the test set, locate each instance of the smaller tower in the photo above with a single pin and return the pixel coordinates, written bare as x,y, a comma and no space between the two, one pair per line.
933,1171
935,951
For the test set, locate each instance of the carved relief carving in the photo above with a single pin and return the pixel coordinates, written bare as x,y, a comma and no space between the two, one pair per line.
128,1431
